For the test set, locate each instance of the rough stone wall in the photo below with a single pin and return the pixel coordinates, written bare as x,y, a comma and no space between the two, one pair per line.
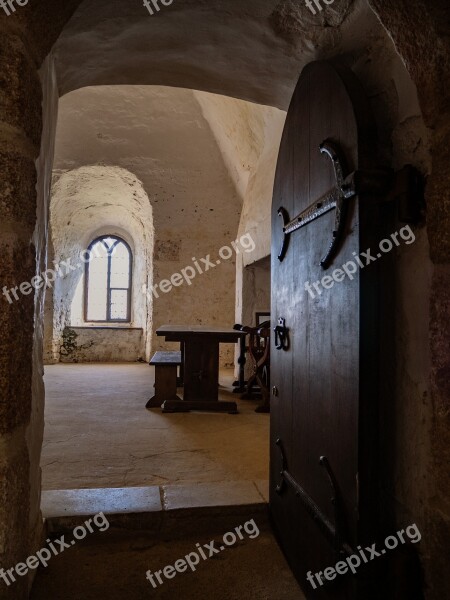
44,166
50,349
86,203
238,128
160,135
23,232
256,290
100,344
23,47
419,32
254,295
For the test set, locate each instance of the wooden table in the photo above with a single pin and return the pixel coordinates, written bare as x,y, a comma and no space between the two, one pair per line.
201,366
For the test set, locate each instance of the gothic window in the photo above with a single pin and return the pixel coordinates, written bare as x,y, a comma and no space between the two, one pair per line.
108,281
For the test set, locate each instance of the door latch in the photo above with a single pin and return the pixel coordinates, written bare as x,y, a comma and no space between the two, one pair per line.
281,335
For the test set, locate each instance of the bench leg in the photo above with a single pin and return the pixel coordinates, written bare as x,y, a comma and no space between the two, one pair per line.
165,385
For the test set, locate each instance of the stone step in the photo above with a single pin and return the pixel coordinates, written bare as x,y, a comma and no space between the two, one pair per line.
169,509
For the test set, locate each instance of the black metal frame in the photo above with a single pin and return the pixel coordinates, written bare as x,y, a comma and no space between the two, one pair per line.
109,288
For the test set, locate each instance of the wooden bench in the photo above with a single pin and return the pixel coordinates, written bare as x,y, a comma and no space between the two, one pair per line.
166,366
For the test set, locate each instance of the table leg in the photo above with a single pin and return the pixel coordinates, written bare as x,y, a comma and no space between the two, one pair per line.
180,379
239,386
201,379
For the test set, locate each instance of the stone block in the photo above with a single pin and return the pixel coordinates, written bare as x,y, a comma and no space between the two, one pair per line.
14,508
17,188
438,199
16,335
42,31
20,89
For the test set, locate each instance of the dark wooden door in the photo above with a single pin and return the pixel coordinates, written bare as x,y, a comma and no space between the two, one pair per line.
325,379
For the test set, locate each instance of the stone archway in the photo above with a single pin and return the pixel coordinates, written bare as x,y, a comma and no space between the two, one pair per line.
28,36
88,202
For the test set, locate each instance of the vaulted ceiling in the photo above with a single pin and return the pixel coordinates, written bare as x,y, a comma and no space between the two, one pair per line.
253,50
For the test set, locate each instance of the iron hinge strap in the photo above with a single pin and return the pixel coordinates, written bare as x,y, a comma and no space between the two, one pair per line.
333,533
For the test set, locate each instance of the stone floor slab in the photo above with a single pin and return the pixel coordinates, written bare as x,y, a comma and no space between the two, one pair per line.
263,488
229,493
62,503
99,434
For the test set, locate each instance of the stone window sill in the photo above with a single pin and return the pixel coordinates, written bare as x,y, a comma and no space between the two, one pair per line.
107,326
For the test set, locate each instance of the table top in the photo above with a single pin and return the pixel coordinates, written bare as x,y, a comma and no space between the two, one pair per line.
180,332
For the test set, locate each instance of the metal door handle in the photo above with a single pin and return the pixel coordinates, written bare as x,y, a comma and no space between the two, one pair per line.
281,335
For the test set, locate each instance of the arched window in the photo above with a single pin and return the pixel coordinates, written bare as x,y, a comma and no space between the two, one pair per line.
108,281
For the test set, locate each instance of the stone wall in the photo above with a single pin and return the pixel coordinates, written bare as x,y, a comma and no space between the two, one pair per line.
101,344
26,162
419,34
88,202
256,290
161,137
44,165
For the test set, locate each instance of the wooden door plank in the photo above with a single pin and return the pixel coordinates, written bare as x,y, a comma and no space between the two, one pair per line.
322,396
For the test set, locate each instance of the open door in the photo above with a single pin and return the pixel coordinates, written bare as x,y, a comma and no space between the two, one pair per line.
325,354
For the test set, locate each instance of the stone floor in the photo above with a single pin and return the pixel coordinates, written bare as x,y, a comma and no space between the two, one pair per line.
165,482
99,434
113,564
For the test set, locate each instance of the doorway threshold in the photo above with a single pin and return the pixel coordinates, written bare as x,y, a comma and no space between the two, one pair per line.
147,506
